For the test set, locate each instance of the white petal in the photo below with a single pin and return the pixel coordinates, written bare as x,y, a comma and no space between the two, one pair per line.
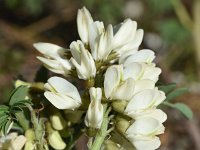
146,126
64,87
157,114
152,144
62,101
125,33
143,85
84,19
141,101
133,70
104,44
95,30
75,50
48,49
146,56
124,91
112,79
151,72
125,55
53,65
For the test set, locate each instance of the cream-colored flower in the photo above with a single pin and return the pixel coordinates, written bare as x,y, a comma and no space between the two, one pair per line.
144,102
82,60
53,58
62,94
100,41
12,141
94,116
142,133
139,71
116,86
127,37
84,19
145,56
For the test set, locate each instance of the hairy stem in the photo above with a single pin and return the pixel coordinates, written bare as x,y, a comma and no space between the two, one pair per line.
103,132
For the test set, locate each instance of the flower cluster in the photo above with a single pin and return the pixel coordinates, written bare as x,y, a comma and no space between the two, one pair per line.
117,73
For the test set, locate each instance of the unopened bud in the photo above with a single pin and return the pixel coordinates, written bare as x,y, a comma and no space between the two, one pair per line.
122,124
110,145
119,106
57,121
54,138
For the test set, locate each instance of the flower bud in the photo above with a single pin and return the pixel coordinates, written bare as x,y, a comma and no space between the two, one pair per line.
30,136
122,124
94,116
58,121
110,145
119,106
54,138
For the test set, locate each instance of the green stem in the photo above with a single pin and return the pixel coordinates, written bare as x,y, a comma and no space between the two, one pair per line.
39,131
101,135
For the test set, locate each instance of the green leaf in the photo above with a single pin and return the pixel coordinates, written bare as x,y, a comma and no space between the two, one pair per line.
184,109
3,108
167,88
176,93
7,126
18,94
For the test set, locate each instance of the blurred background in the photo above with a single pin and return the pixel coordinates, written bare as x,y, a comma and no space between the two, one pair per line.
172,30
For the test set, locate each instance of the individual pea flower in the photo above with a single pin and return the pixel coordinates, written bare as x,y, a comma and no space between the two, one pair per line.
84,19
127,37
53,58
94,116
143,133
62,94
144,102
140,71
116,85
100,40
82,60
145,56
12,141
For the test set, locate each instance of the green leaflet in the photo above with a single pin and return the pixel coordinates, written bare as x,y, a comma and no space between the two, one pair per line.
176,93
18,94
167,88
184,109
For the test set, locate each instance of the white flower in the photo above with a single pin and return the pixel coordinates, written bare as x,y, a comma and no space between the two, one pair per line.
127,37
100,41
52,59
94,116
155,113
12,141
116,86
139,71
145,55
84,19
62,94
95,30
82,60
144,102
142,133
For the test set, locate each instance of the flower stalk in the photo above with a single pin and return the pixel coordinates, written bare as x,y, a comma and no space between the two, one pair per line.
103,131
